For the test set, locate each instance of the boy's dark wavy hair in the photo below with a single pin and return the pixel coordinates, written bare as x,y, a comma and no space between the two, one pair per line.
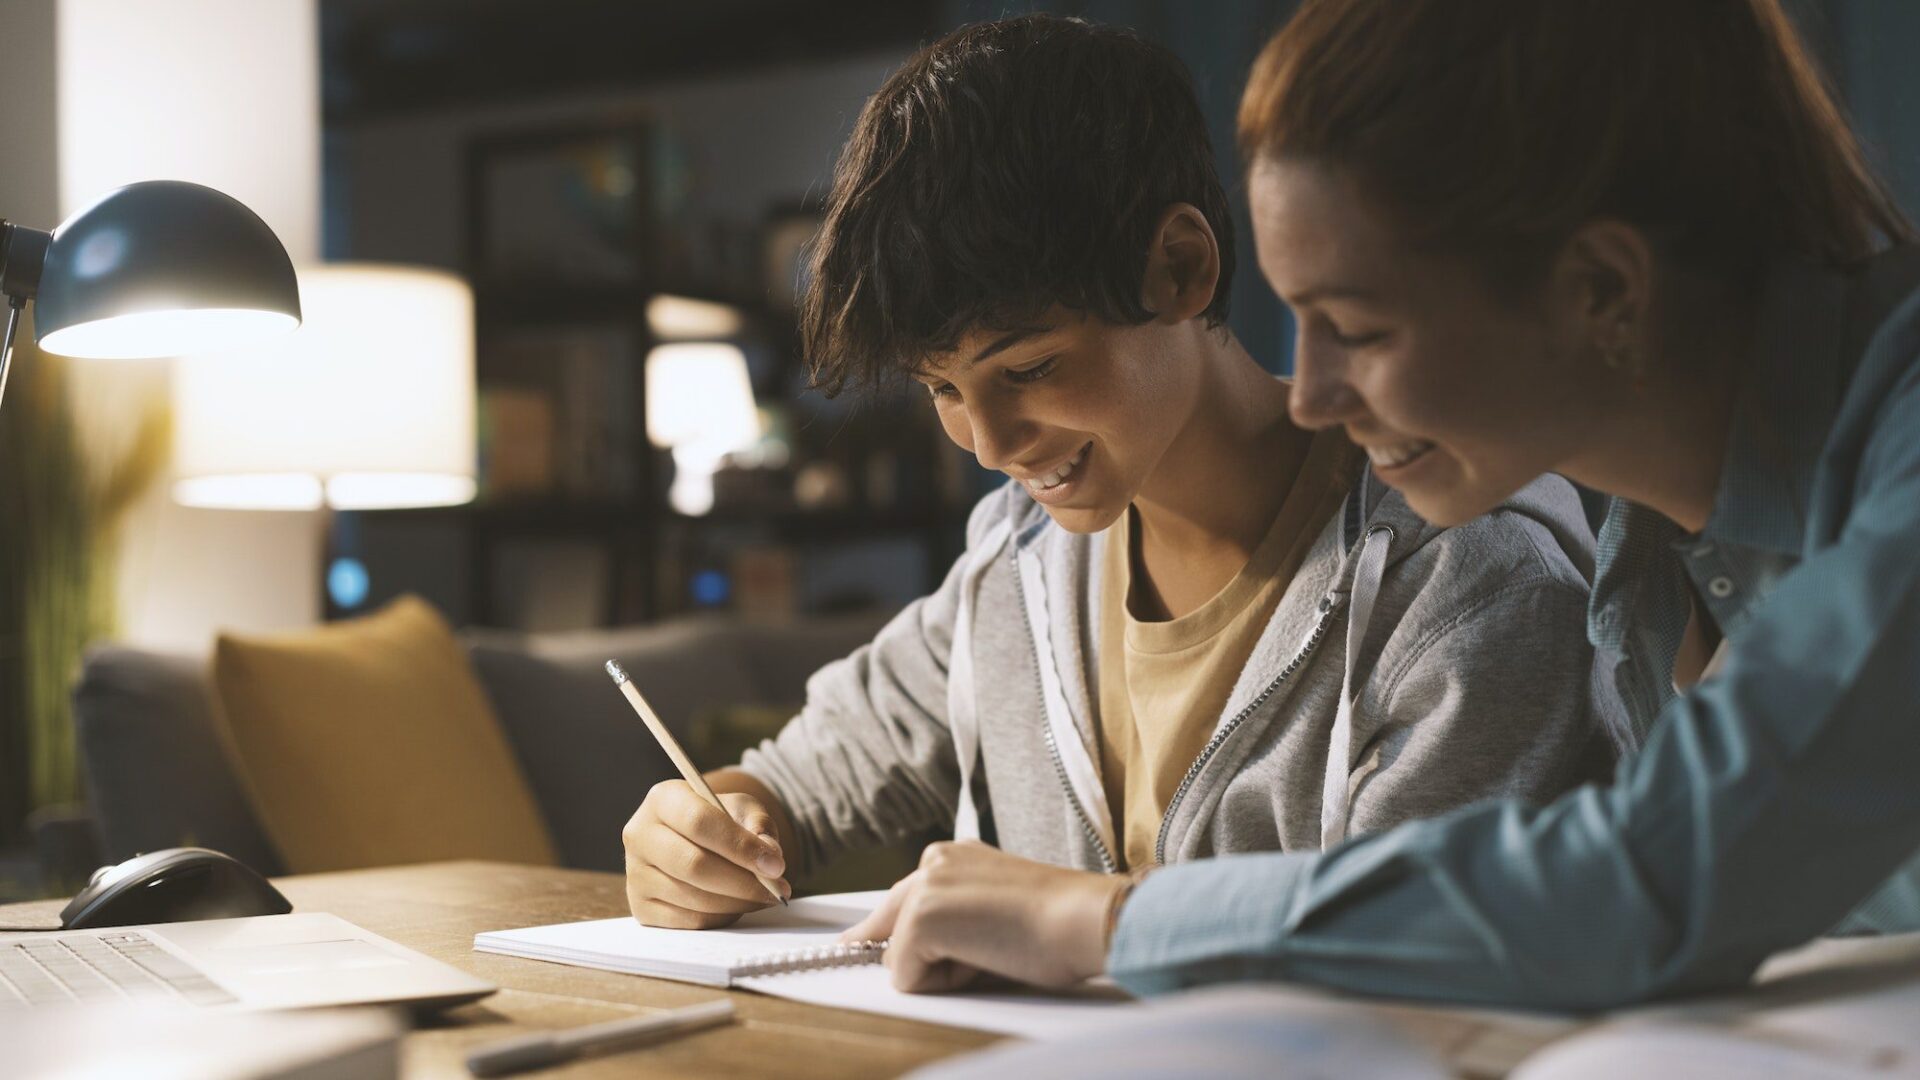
1008,167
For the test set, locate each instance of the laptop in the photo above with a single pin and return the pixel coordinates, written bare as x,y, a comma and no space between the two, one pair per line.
294,961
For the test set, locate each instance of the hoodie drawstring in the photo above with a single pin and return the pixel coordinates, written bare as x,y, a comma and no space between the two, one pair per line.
962,714
1369,569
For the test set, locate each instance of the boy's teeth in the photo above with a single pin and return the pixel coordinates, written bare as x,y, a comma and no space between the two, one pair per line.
1389,456
1059,475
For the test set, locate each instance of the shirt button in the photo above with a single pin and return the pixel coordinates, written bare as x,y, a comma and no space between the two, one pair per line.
1720,588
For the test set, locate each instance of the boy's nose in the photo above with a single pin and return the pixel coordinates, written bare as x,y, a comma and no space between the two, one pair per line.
999,437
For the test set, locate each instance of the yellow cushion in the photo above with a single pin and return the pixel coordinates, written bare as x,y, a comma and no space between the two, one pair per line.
369,742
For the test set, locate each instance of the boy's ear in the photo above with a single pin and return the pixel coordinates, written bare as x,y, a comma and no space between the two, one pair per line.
1183,265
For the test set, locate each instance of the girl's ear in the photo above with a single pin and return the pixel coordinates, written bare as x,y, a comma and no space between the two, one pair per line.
1602,292
1183,266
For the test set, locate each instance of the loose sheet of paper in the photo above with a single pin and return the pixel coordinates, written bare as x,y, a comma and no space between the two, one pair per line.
1033,1014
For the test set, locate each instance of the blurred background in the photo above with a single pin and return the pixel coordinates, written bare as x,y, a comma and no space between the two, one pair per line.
591,215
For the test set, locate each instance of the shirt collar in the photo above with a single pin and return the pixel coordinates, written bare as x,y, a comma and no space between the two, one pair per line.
1789,393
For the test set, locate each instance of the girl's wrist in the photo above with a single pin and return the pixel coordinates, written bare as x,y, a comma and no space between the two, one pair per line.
1089,919
1117,900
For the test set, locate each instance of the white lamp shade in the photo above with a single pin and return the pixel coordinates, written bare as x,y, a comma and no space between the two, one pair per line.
700,395
369,405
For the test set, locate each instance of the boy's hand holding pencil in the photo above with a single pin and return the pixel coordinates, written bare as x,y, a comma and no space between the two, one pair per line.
695,859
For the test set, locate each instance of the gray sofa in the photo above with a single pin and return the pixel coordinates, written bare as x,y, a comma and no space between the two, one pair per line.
159,773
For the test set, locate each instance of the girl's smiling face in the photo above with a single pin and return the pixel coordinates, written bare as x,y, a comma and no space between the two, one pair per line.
1458,397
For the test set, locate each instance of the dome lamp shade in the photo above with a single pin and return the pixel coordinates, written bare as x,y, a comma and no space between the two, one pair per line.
162,268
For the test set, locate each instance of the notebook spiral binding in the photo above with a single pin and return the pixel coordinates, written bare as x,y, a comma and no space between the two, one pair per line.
813,958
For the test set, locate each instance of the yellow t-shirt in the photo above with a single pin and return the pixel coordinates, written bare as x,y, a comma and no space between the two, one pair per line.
1163,685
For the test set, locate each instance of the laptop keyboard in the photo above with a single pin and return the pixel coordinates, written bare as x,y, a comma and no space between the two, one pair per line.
115,965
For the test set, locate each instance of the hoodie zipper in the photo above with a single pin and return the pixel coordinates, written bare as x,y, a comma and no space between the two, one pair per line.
1107,864
1328,609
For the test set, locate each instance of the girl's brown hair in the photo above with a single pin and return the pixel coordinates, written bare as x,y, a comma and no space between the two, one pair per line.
1495,128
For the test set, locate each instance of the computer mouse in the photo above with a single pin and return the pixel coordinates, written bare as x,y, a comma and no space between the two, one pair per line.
176,885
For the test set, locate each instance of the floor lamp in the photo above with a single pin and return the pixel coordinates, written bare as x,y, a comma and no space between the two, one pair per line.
368,406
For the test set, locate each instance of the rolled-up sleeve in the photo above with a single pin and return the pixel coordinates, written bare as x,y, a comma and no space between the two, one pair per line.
1766,804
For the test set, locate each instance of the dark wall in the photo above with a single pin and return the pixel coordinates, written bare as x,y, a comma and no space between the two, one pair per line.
1870,47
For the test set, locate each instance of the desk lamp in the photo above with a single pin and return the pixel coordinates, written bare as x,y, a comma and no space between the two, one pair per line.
157,268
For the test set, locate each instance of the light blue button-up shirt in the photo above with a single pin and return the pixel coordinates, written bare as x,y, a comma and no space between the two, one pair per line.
1764,805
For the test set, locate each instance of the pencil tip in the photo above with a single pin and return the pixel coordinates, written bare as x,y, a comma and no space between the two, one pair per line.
618,673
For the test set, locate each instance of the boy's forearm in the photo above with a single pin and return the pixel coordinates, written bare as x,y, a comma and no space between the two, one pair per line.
740,781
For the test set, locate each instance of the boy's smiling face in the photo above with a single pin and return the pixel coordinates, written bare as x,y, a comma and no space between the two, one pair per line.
1078,410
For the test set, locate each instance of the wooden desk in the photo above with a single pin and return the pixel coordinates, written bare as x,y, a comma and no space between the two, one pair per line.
437,909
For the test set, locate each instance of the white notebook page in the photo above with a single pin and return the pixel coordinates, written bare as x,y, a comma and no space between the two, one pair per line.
709,956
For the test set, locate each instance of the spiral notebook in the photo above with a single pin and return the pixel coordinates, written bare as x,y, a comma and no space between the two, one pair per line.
794,952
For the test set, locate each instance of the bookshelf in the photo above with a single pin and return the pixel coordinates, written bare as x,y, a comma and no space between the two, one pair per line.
570,231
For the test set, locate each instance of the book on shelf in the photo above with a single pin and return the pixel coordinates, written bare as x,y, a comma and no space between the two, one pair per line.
516,442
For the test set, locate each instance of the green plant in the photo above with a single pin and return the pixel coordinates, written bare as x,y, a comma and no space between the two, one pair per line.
59,514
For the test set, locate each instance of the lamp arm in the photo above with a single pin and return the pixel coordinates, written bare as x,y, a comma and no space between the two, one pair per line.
14,304
23,252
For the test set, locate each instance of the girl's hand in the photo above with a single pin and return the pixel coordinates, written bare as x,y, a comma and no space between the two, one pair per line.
971,909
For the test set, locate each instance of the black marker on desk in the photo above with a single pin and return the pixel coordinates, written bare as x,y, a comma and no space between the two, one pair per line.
552,1048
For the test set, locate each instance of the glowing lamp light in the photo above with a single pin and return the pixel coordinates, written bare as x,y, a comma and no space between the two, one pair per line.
683,318
368,406
700,406
166,333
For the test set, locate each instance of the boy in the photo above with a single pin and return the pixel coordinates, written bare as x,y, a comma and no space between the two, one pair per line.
1186,627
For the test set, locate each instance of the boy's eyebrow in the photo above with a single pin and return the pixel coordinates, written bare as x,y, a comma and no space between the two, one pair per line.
1008,341
1333,292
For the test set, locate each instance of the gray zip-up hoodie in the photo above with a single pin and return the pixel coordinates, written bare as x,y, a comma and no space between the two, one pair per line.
1461,654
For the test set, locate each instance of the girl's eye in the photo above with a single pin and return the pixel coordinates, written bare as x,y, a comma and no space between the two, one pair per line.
1035,373
942,390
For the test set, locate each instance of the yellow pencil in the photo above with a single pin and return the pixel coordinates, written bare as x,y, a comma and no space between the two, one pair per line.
672,747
